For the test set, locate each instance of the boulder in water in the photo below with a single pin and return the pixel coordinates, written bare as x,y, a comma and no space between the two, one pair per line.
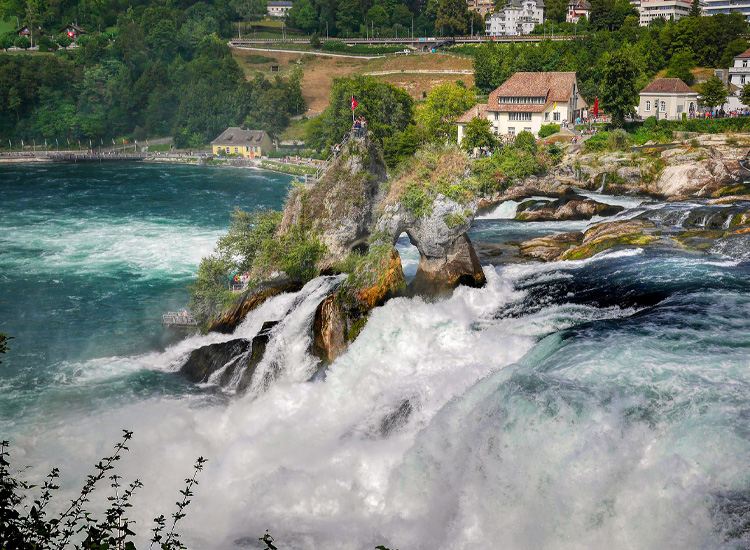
239,357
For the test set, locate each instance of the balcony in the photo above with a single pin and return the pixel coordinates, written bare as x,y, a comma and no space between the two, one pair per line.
739,70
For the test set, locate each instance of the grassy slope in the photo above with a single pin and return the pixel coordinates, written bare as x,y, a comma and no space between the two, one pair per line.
6,26
320,71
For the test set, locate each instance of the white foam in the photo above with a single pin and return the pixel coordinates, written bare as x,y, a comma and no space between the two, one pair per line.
105,246
494,452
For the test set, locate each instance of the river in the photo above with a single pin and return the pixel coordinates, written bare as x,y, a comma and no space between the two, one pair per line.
586,404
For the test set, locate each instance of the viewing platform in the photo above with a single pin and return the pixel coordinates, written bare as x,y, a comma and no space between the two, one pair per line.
179,320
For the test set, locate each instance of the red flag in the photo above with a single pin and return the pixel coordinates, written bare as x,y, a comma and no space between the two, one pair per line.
354,103
596,106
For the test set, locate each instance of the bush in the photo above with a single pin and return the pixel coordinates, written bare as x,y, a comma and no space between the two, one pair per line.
46,45
525,141
210,293
548,130
255,59
30,527
299,254
315,40
618,139
6,41
555,153
63,40
22,42
597,142
650,122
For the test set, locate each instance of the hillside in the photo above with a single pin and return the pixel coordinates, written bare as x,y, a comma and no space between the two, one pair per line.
319,71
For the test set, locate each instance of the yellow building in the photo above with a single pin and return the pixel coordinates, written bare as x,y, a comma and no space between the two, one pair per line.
242,143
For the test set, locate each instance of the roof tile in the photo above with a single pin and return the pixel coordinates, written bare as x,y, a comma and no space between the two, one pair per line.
551,86
667,86
235,135
478,110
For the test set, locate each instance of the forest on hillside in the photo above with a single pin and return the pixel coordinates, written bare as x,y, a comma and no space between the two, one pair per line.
161,68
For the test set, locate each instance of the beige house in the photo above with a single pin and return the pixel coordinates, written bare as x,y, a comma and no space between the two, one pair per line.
482,7
244,143
527,101
667,98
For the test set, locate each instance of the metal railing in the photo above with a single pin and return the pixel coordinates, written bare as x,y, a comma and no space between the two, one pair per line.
323,167
184,319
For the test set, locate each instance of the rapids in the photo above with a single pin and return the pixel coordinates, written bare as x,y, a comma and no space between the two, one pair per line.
597,403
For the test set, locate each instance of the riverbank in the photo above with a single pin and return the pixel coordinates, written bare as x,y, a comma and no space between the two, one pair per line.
291,165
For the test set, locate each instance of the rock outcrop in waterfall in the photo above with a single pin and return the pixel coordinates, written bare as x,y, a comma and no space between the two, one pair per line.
357,213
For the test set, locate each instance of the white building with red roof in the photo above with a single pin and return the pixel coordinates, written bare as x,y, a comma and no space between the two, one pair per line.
527,101
667,98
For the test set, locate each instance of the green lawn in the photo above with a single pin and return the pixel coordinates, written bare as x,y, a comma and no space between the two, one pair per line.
6,26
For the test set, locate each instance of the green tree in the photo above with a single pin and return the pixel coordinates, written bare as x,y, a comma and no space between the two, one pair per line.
22,42
303,16
250,9
248,234
63,40
452,17
388,110
349,15
401,16
443,106
556,10
745,94
525,141
680,65
402,145
6,41
712,93
619,91
478,133
695,9
378,17
210,293
11,9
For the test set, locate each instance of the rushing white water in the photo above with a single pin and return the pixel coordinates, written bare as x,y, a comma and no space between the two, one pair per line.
587,404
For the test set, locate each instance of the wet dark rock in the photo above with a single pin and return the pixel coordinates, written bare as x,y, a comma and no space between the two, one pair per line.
396,419
566,209
206,360
232,317
239,356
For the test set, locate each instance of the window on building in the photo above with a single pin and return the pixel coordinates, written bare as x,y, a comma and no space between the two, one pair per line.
744,62
527,129
680,108
648,105
663,107
556,117
742,79
519,116
236,150
546,116
495,115
512,131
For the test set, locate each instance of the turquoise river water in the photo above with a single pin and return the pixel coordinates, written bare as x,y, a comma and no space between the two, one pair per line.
602,403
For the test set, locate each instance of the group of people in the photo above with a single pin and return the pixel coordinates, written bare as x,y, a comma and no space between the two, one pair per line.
359,128
721,113
241,279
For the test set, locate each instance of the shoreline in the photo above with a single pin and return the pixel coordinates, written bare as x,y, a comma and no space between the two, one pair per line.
262,164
